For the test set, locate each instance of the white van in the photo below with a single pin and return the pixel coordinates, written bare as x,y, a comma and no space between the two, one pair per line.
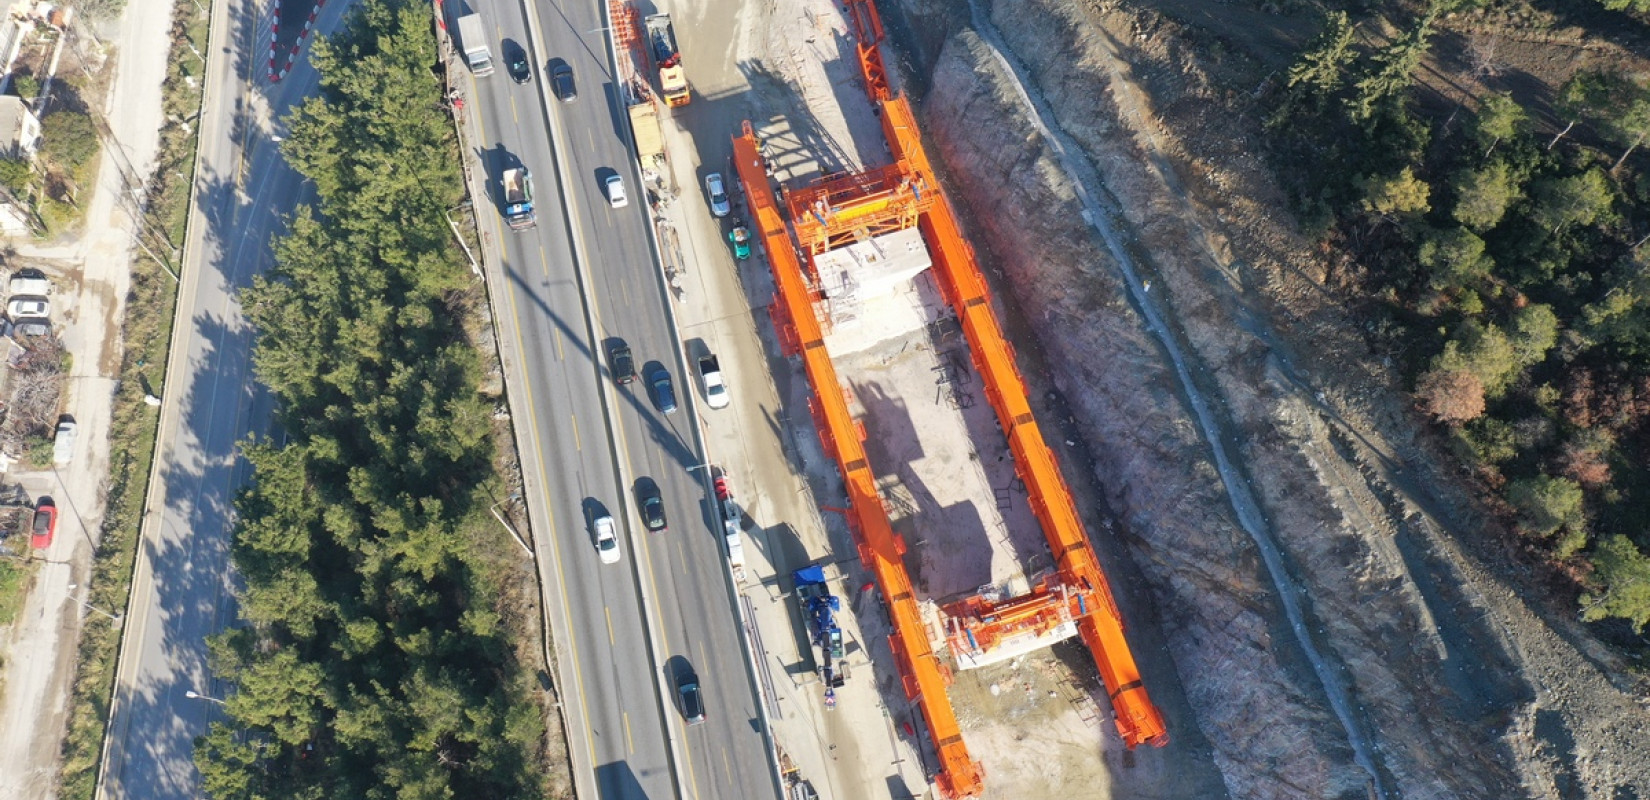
30,287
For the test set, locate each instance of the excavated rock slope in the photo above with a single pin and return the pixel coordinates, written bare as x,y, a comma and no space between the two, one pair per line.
1418,670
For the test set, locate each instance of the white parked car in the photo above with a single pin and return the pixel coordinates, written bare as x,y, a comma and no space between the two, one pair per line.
615,192
718,194
22,286
607,542
63,444
28,307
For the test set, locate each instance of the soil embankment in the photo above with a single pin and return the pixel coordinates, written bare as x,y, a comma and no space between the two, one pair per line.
1339,624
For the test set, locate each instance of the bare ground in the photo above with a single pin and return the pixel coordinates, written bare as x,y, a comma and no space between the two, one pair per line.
1419,667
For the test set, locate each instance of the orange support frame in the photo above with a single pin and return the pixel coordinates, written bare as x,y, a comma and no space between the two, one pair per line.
964,288
853,206
923,676
622,16
862,15
974,624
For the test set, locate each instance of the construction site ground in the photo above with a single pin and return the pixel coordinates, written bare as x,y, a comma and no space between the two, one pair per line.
1348,619
1040,724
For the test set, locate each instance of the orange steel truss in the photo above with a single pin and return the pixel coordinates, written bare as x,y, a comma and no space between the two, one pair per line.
881,550
856,206
960,281
626,33
862,14
964,288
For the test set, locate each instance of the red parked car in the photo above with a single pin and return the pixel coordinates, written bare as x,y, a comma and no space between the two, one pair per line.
45,524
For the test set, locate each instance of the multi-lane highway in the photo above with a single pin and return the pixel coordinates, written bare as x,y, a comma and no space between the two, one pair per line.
616,724
584,276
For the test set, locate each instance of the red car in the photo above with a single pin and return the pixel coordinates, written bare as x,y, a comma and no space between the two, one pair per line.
45,524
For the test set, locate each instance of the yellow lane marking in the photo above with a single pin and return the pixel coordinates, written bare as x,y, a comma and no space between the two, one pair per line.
513,114
578,444
693,781
609,613
630,746
550,509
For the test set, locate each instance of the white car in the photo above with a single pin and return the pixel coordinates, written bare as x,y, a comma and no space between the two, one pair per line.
28,307
607,543
615,192
63,444
718,195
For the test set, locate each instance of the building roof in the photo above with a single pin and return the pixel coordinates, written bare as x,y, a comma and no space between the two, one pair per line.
13,112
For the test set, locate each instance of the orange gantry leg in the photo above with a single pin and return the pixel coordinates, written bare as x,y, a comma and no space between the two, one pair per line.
1138,719
880,548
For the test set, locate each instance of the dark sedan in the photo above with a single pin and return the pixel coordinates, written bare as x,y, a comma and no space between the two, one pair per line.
519,71
664,392
561,80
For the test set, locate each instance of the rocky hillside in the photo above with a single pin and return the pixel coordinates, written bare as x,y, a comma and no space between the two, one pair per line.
1338,623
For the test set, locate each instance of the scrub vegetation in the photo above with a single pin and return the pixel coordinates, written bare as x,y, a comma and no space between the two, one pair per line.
1502,252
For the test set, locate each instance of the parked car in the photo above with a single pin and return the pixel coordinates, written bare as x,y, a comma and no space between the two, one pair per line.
30,283
29,307
607,541
615,191
716,389
741,238
621,362
33,326
718,194
652,507
693,700
45,524
561,80
63,443
664,394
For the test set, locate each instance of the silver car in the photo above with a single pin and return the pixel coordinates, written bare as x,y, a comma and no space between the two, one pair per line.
607,542
718,193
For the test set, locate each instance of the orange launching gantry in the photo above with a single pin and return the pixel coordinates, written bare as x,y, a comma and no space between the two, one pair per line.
880,548
852,207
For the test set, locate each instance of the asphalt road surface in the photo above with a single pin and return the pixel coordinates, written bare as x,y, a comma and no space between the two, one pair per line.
181,593
626,702
615,719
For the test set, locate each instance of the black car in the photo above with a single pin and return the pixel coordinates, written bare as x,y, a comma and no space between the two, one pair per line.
519,71
561,80
653,512
664,394
693,702
621,362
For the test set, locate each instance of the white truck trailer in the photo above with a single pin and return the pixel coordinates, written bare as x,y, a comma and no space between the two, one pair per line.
473,41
